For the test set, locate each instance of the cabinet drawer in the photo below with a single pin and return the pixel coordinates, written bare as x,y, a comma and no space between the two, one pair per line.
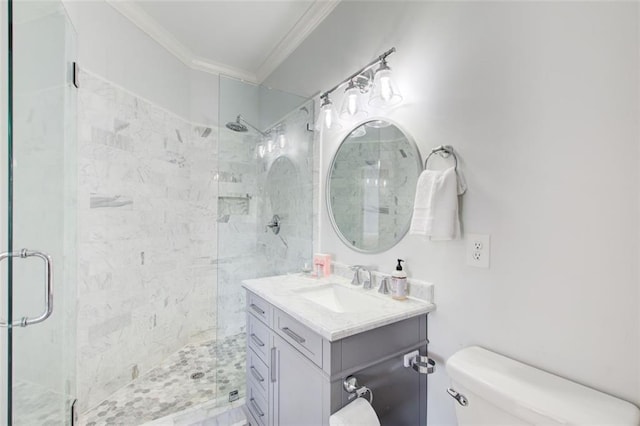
299,336
258,372
258,337
259,307
257,405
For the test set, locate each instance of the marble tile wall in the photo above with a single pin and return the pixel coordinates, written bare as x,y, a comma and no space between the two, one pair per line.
279,182
171,221
286,182
237,257
147,202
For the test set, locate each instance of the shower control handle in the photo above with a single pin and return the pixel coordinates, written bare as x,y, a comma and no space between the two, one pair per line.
275,224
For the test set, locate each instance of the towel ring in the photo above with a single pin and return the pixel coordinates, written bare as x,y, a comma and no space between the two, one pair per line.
443,151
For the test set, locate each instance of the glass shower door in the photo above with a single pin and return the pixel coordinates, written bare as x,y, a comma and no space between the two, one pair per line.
39,241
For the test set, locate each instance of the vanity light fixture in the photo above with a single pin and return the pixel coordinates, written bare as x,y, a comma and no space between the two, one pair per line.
270,142
358,133
328,116
384,93
377,124
352,102
282,139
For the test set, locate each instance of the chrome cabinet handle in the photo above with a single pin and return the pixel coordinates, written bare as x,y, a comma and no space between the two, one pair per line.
293,335
257,375
256,408
273,364
257,309
48,286
258,341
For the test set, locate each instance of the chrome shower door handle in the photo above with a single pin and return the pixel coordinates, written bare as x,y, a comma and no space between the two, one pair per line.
48,286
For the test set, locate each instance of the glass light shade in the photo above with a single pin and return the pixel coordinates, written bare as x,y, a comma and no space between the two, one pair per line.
328,118
377,124
282,140
260,150
385,92
358,133
270,143
352,103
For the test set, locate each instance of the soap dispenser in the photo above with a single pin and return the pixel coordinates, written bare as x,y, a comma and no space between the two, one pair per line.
399,282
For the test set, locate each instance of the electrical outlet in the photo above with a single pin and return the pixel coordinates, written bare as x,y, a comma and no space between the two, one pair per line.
478,250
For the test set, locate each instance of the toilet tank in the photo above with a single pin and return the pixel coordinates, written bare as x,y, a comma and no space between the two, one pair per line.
501,391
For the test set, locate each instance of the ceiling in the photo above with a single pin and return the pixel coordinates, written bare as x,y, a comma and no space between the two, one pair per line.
242,39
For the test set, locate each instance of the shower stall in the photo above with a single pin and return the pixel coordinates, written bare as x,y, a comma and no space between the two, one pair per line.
199,201
151,221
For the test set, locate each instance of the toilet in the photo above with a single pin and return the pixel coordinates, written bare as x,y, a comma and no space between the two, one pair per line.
491,389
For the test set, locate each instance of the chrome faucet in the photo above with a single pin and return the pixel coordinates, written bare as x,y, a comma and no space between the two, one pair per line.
367,284
384,286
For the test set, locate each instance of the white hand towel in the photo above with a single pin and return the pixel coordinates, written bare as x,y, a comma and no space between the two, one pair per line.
435,210
357,413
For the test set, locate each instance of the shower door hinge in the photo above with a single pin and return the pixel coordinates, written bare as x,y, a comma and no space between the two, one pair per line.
76,75
74,413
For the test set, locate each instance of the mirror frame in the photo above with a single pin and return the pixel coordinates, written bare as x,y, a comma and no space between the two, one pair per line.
344,137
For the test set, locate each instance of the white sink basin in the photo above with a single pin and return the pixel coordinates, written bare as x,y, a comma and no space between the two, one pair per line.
341,299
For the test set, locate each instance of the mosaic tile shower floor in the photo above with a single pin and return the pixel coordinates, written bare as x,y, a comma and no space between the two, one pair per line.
169,387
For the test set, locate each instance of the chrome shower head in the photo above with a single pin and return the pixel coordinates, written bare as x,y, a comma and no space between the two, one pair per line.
237,126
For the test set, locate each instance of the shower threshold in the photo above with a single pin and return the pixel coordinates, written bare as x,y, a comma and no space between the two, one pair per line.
198,375
206,414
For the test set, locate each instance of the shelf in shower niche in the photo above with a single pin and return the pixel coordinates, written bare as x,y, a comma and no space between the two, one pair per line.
235,197
234,204
229,177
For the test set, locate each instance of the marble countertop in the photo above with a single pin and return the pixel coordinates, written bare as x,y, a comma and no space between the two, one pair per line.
283,292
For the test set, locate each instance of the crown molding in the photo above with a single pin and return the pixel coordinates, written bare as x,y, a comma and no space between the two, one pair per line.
314,15
206,65
158,33
308,22
148,25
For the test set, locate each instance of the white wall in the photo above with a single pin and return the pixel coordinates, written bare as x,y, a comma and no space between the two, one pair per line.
541,102
110,46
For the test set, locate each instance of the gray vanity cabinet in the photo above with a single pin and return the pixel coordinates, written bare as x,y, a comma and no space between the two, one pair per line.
297,388
295,376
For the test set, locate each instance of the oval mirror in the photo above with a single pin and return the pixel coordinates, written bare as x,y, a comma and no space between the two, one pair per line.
371,186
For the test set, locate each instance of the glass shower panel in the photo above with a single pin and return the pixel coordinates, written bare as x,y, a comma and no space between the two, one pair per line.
264,179
43,207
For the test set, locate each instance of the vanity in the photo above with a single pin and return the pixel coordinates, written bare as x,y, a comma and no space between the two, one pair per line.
313,345
305,336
